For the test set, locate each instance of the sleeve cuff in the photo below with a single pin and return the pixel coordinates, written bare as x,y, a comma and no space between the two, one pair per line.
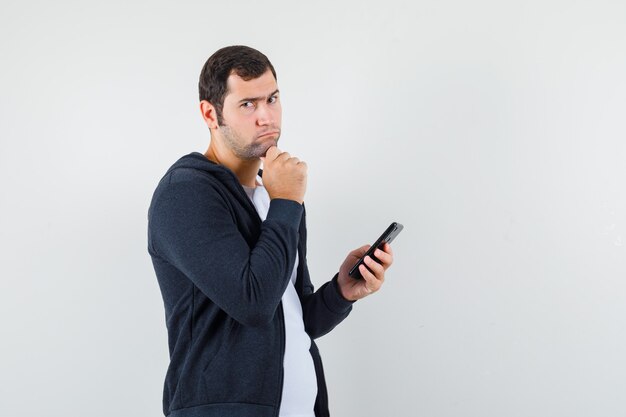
334,300
285,211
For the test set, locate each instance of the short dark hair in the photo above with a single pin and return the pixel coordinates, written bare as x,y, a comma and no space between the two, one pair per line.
246,62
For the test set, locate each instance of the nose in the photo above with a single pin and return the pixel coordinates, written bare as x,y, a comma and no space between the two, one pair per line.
265,115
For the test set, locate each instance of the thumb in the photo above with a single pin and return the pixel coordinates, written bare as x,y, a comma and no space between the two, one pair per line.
272,152
361,251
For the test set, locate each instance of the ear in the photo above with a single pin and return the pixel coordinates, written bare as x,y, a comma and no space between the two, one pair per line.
208,114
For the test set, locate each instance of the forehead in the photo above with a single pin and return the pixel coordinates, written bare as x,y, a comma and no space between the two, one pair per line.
238,88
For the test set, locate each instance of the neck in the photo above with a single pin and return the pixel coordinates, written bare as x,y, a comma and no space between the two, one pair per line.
245,170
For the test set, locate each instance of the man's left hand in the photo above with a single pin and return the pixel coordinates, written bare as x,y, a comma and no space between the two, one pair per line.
354,289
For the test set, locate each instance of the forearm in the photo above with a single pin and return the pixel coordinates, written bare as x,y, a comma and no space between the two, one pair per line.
324,309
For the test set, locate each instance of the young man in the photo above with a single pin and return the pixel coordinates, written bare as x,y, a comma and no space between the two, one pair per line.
228,244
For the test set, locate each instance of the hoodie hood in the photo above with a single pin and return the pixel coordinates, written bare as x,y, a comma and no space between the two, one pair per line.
198,161
195,164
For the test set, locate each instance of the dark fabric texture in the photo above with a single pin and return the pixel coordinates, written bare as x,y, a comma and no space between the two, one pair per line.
222,273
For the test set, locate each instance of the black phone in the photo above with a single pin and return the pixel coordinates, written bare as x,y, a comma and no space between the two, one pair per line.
387,237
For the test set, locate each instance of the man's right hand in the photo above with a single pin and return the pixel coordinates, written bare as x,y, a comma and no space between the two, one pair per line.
284,176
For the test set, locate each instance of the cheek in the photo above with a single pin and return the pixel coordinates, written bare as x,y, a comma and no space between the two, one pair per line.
240,120
278,114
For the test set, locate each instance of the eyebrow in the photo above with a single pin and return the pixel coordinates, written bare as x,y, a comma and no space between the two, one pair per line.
259,98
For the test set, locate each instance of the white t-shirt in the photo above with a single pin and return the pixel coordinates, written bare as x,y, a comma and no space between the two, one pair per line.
299,382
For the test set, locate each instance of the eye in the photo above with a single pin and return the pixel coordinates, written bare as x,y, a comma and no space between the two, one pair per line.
247,105
272,99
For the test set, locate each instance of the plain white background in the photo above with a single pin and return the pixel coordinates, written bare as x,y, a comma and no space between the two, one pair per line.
494,130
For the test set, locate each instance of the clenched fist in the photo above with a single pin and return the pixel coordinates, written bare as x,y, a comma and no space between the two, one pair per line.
284,176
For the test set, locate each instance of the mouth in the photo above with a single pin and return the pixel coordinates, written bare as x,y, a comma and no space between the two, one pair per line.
268,134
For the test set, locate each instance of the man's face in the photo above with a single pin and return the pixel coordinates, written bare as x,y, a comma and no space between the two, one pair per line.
251,115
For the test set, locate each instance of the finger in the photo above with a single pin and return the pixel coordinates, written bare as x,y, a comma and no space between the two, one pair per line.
284,156
385,258
375,267
387,248
371,284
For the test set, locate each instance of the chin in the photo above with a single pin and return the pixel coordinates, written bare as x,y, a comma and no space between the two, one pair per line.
268,144
256,151
265,149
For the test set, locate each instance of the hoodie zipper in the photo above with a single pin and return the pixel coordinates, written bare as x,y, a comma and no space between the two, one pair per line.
281,379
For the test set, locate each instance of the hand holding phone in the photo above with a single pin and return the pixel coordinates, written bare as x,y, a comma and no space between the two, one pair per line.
387,237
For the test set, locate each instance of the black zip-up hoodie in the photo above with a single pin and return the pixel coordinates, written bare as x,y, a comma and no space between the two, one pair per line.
222,274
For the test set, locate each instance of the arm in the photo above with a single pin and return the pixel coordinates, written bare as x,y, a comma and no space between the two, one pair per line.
323,309
332,302
192,228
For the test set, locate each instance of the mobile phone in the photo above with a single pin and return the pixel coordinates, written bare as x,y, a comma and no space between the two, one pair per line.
387,237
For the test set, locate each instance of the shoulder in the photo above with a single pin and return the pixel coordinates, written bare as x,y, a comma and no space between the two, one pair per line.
183,189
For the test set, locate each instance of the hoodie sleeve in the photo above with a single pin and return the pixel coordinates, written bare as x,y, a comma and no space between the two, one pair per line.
192,228
324,309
